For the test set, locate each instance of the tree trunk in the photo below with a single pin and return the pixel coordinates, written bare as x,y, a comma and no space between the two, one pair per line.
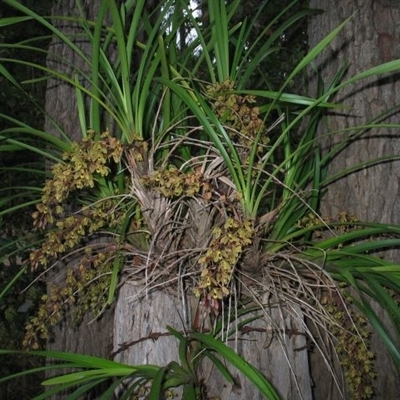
369,38
141,337
61,105
92,336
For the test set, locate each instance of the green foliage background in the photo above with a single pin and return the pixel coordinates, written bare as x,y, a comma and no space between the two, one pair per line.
19,305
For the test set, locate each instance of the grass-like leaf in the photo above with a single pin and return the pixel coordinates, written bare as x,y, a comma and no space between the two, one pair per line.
251,373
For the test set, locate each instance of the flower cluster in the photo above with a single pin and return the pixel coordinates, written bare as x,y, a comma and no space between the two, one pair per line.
67,228
70,231
85,161
239,114
343,223
172,182
81,165
75,290
219,260
356,358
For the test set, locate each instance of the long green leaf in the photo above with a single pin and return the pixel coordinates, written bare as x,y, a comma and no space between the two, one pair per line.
156,391
251,373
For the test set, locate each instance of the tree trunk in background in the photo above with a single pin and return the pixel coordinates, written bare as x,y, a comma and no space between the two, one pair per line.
60,96
369,39
141,337
91,337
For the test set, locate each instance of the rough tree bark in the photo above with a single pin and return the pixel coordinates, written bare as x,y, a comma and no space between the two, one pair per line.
91,336
60,96
369,39
141,337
